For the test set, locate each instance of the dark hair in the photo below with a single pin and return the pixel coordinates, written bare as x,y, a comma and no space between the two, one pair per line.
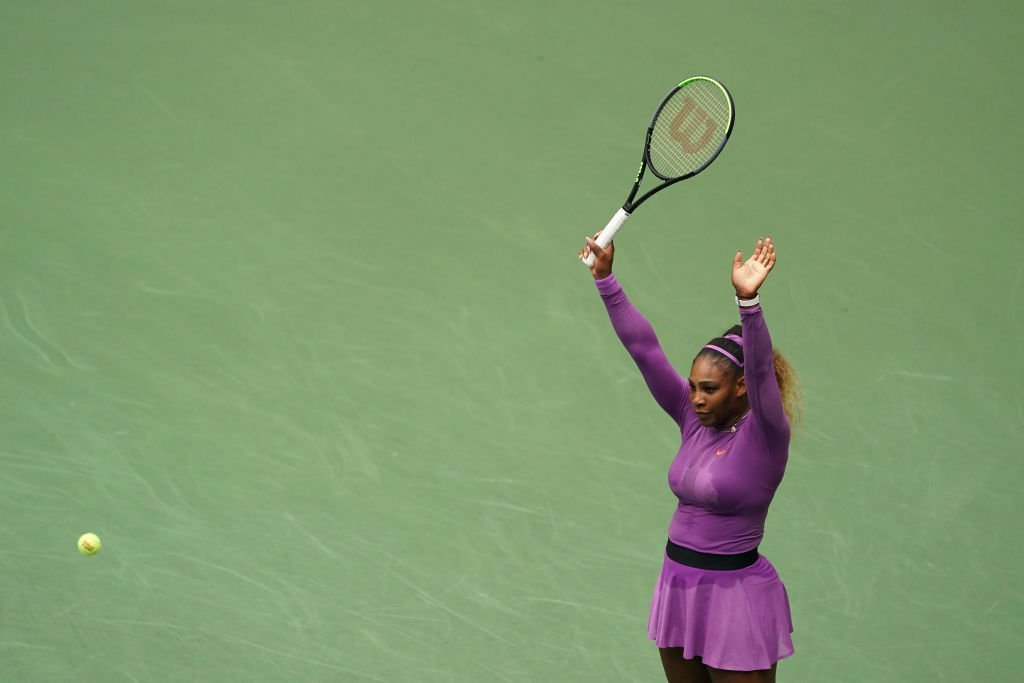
785,376
731,348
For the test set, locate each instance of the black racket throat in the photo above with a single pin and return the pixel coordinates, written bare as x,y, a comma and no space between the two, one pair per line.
631,202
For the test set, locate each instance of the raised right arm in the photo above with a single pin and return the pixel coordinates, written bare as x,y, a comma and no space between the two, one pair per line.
636,334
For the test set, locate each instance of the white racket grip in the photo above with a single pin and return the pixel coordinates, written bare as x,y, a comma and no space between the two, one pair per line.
608,234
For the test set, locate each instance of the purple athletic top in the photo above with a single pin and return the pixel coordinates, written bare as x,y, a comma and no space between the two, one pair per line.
724,479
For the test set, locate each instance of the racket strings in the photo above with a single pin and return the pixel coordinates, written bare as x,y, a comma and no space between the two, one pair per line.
689,129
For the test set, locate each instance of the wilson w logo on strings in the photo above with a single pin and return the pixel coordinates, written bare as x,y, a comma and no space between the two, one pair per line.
693,134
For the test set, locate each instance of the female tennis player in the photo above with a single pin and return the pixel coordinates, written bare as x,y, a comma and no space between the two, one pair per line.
719,613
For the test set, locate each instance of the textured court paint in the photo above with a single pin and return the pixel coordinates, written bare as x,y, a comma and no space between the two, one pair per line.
321,444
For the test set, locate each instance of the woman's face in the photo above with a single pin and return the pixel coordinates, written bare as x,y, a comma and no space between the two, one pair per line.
717,395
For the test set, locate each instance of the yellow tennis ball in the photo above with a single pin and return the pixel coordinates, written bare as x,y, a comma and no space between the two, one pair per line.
89,544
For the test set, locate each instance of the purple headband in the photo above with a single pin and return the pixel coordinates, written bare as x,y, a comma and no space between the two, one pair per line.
734,359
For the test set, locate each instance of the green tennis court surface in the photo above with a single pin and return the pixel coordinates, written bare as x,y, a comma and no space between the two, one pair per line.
290,316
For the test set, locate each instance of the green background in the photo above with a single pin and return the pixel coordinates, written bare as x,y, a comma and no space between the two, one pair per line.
290,316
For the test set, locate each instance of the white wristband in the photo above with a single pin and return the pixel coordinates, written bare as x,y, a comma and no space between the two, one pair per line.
747,303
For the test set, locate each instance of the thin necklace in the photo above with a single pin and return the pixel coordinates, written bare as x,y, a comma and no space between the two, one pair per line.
732,427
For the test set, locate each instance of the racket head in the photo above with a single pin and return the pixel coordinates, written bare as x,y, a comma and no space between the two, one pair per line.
689,128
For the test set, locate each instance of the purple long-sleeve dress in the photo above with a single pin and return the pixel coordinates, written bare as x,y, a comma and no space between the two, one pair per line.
724,481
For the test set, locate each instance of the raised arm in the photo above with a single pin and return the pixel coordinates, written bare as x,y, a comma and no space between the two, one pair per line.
638,337
759,367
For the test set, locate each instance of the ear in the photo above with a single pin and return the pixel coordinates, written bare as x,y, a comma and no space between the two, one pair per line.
741,387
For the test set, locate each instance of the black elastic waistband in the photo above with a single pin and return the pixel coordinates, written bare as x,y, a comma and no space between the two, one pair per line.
694,558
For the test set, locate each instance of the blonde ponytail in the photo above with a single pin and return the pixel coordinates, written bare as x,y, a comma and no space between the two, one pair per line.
789,387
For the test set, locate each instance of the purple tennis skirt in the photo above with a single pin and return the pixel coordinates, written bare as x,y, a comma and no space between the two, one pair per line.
738,620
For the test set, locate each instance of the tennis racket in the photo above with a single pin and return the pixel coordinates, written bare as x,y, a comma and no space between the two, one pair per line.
688,131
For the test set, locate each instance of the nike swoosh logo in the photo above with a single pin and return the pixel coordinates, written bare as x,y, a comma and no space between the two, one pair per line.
722,452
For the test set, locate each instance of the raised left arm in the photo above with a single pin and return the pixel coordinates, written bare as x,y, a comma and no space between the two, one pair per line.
758,362
759,376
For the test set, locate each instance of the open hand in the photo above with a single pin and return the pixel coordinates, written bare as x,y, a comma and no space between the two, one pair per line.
747,277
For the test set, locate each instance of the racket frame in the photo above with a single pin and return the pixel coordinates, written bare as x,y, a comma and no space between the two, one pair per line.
629,205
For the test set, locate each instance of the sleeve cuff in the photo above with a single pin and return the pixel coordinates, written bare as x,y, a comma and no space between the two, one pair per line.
750,310
608,286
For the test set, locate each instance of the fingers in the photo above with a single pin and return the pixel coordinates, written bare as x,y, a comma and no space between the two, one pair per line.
768,252
592,246
598,258
737,262
764,252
